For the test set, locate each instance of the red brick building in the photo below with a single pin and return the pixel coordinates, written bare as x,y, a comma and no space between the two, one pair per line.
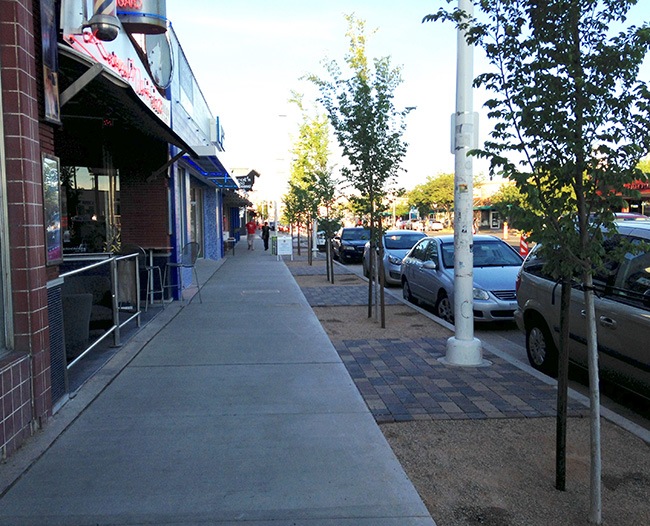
25,398
89,162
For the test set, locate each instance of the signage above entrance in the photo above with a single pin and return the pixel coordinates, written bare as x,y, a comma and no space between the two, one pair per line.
120,57
638,185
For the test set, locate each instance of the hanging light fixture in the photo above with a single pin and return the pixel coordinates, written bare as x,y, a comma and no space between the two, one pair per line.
104,23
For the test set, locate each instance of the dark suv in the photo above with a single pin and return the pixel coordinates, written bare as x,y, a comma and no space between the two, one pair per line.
622,300
348,244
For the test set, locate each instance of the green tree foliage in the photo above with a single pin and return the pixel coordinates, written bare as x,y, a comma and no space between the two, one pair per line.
510,203
310,182
436,193
402,209
571,125
367,126
644,166
571,115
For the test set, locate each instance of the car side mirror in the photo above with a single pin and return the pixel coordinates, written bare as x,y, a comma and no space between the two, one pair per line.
430,265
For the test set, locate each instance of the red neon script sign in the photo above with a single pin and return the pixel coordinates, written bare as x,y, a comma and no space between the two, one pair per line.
88,44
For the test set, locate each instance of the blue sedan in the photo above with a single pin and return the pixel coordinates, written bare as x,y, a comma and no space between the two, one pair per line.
428,276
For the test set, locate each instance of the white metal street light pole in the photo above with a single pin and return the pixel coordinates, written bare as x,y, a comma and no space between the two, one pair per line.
463,348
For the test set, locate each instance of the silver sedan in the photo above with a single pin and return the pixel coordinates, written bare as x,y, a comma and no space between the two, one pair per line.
428,276
397,243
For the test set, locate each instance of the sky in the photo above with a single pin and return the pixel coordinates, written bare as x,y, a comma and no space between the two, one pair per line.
249,55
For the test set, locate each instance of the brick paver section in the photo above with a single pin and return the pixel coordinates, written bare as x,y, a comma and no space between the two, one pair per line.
402,379
317,270
333,295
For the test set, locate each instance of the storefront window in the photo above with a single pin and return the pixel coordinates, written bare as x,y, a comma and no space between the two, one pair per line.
495,219
182,204
91,209
196,215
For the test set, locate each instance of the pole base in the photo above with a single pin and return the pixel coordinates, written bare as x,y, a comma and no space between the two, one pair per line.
464,353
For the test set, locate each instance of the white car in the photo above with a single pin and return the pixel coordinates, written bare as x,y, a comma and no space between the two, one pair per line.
321,240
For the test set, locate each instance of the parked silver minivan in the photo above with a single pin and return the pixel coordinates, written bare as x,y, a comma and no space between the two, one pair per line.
622,300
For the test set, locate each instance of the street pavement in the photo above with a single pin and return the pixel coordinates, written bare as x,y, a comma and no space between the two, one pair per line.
230,411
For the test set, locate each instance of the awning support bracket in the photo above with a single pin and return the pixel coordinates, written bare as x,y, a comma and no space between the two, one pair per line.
79,84
164,167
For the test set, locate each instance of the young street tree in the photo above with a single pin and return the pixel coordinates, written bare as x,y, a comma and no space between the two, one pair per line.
572,122
329,219
368,129
310,181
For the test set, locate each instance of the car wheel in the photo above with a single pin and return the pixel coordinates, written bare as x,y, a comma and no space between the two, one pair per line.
406,292
444,308
540,348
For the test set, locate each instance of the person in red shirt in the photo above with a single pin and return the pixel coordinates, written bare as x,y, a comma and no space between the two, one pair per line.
251,228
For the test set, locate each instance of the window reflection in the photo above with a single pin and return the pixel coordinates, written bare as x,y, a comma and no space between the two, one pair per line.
91,209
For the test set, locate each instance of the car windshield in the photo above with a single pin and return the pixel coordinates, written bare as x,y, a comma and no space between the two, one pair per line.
356,234
401,241
486,254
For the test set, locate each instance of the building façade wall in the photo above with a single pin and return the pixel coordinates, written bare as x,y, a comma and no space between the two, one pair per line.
25,400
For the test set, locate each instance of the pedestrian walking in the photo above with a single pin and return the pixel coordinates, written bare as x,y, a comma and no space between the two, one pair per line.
251,228
266,232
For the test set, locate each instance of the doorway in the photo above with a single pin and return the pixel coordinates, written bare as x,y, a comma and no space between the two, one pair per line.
196,214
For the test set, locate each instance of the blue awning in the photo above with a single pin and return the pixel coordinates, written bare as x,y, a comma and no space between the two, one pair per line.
210,167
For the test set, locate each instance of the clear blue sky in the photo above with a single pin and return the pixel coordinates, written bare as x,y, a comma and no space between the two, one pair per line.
249,54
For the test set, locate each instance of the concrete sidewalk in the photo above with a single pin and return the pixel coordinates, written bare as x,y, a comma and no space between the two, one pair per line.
234,410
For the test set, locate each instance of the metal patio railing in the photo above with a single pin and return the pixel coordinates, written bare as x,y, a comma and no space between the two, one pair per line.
122,306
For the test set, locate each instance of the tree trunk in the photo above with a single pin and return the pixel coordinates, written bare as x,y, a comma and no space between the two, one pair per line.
562,387
595,509
382,276
576,72
330,260
298,235
373,237
309,243
328,263
374,278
